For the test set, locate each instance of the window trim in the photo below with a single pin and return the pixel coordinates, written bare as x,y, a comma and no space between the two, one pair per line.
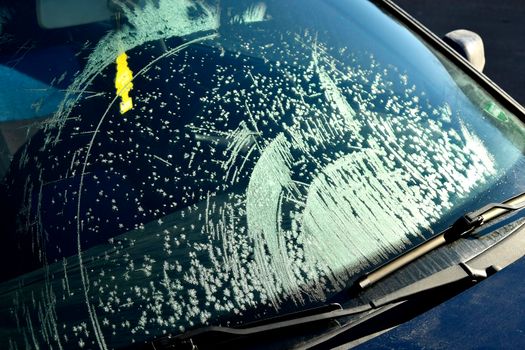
439,45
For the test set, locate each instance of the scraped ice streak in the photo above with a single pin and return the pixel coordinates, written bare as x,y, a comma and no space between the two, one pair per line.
345,113
269,182
361,209
242,140
254,13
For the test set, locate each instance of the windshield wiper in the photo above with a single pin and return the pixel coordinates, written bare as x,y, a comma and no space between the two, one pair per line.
440,286
461,228
313,325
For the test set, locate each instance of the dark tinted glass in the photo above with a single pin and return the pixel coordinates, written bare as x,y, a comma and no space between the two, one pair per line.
216,162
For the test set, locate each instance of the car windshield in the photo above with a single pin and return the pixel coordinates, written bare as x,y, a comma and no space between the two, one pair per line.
171,164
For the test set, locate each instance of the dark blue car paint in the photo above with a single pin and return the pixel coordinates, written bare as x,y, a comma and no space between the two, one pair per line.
489,315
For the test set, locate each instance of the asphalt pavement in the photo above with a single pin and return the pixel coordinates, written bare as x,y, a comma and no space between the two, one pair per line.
500,23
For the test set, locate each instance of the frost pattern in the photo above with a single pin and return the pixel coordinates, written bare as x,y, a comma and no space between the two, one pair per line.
254,13
153,21
304,172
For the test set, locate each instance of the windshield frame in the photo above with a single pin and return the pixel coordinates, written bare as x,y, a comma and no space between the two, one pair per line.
439,45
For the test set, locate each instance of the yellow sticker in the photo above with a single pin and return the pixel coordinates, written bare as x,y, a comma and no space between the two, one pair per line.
123,83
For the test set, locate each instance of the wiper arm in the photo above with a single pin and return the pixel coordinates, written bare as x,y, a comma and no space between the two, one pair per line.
454,278
459,273
437,284
461,228
211,336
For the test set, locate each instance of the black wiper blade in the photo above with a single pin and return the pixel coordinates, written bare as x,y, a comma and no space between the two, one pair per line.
403,304
213,336
439,285
462,227
455,274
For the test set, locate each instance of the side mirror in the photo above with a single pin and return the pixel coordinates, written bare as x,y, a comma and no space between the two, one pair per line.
469,45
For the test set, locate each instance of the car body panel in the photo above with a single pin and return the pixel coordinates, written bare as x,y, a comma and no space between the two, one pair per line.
487,316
